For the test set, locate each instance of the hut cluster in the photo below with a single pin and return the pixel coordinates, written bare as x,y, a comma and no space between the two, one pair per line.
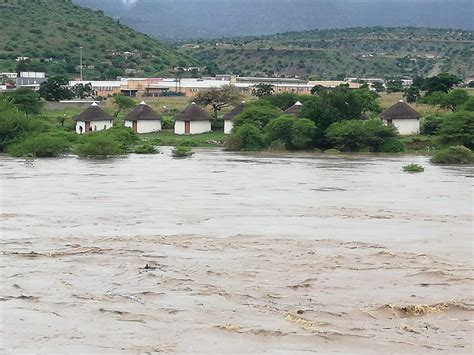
195,120
143,119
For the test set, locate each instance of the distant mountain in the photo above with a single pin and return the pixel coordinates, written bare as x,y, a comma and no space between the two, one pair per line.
337,53
185,19
50,33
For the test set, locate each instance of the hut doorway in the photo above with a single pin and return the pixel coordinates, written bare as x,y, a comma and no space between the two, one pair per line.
87,126
135,126
187,127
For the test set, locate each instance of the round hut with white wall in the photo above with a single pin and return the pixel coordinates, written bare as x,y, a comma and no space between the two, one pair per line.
294,110
192,120
229,117
93,119
143,119
402,116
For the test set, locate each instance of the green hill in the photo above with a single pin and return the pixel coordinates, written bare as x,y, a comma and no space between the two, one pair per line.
336,53
50,33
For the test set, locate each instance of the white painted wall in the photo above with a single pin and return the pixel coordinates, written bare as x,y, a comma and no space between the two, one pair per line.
406,126
95,125
196,127
145,126
228,125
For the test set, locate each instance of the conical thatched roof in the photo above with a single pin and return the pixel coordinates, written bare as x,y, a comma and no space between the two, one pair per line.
142,112
193,112
400,110
235,112
294,110
93,113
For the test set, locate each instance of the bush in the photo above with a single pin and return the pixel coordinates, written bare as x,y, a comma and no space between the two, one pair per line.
302,133
181,152
458,129
167,123
233,143
145,148
125,136
99,146
283,101
280,130
357,135
430,125
453,155
257,115
392,145
14,125
40,145
413,168
250,137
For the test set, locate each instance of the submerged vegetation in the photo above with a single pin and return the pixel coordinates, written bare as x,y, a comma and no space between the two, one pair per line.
181,152
413,168
453,155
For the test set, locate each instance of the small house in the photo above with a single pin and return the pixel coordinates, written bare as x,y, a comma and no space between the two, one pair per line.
402,116
93,119
294,110
192,120
143,119
229,118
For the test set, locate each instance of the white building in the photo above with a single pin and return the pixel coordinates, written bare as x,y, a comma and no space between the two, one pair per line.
93,119
192,120
229,118
402,116
142,119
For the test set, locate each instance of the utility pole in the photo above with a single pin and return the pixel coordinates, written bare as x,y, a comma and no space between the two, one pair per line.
81,63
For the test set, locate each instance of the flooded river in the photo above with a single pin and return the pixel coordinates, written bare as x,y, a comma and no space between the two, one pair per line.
235,253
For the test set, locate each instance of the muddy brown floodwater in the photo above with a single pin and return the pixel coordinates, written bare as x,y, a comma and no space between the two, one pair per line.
235,254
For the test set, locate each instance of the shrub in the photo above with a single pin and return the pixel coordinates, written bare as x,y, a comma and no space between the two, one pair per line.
167,123
332,151
280,130
40,145
250,137
302,133
99,146
453,155
392,145
14,125
413,168
123,135
430,125
458,129
357,135
181,152
145,148
233,143
257,115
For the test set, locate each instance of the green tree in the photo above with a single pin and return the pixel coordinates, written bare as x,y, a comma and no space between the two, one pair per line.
122,102
83,91
412,94
430,125
280,129
283,100
339,104
262,89
302,133
56,89
443,82
452,100
15,125
218,98
250,137
458,129
257,114
40,145
355,135
378,86
25,99
394,86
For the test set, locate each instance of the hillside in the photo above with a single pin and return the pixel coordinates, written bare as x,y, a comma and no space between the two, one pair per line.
333,54
50,33
184,19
